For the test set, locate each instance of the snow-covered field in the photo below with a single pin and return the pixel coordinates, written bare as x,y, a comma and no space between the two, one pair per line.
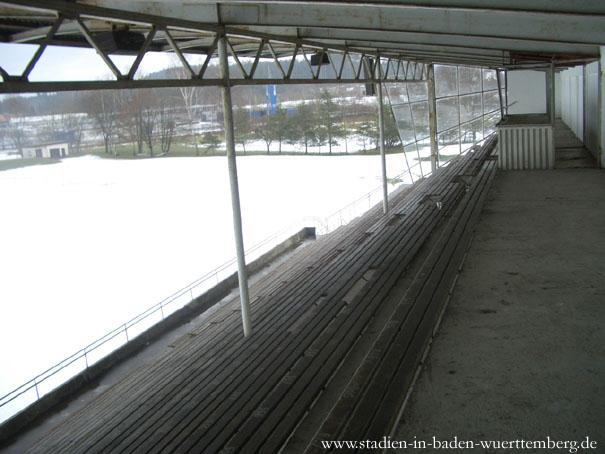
5,155
88,243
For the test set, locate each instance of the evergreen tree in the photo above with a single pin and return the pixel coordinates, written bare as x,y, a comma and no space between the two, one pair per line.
264,131
305,126
391,132
279,125
241,126
371,130
328,120
211,140
369,133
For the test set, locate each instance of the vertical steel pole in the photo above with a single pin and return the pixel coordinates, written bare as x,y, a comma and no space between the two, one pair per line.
550,75
383,160
237,216
602,107
506,92
433,118
554,92
499,81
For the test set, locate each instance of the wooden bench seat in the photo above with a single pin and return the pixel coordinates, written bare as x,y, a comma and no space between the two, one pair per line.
216,391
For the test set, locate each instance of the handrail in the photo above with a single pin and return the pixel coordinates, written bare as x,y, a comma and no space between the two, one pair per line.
123,328
323,226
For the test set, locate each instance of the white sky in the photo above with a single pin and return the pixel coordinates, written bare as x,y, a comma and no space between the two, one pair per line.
84,64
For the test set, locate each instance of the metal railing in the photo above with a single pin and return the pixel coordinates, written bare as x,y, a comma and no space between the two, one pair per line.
125,332
58,374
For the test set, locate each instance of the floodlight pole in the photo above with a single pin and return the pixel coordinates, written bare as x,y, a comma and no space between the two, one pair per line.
432,118
385,192
235,202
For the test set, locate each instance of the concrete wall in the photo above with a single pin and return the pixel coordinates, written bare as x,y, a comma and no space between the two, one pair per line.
572,99
592,108
526,92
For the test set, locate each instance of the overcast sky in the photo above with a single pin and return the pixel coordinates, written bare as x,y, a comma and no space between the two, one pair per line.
63,63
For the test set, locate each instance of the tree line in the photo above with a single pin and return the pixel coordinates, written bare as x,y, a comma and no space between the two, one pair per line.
324,122
147,121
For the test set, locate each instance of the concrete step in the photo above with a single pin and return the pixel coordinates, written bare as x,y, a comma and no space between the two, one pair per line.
574,158
571,142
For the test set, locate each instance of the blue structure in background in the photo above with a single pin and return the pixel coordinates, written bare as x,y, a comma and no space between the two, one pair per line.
271,94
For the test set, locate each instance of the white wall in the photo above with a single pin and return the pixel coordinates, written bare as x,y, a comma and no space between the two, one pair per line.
592,115
572,99
526,92
29,152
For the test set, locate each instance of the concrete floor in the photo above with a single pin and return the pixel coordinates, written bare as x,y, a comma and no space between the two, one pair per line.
570,152
520,353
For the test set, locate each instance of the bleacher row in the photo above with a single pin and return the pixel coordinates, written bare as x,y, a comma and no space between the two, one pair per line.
217,392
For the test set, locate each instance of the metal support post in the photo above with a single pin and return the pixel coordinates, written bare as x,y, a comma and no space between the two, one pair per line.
602,108
383,160
499,81
550,92
433,118
237,216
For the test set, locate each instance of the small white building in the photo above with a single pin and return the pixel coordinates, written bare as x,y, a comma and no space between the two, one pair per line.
47,150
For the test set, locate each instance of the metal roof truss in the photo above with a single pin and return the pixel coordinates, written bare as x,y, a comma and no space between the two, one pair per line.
103,29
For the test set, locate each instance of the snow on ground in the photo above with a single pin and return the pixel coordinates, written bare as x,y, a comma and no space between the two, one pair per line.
9,154
89,243
354,143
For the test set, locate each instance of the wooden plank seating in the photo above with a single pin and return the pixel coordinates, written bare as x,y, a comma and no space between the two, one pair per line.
368,408
216,391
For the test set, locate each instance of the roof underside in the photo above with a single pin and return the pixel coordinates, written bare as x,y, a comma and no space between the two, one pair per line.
498,33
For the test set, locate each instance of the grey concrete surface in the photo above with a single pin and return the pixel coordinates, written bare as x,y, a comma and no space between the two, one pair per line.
520,354
570,152
572,158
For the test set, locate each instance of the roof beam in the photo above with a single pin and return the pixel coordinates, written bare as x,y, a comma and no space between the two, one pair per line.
550,6
10,85
552,26
402,39
502,33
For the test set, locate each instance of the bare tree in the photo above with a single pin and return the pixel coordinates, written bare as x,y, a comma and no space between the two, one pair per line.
101,107
166,124
129,124
16,132
345,130
50,129
71,127
189,97
17,110
149,118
